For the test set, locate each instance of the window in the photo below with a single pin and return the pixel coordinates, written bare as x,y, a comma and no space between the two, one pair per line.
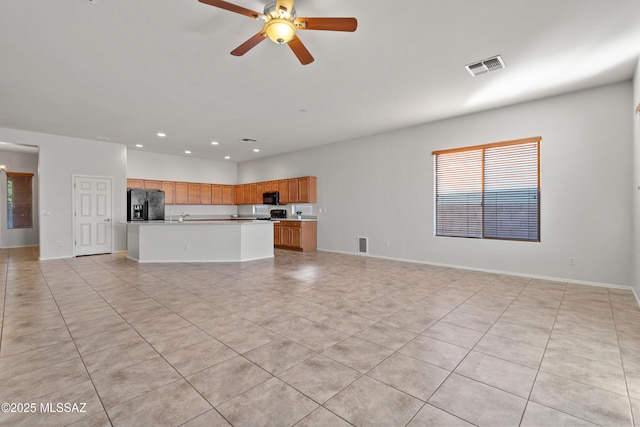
489,191
19,200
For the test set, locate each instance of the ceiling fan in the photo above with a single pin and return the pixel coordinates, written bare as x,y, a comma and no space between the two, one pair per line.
280,25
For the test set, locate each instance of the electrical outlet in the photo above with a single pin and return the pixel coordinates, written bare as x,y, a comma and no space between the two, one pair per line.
572,261
61,243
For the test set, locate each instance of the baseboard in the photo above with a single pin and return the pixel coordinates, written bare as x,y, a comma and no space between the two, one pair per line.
635,294
506,273
55,258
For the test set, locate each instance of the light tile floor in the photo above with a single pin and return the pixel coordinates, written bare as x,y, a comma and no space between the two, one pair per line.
316,339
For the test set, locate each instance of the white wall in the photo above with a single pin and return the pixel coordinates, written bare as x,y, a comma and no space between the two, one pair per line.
18,162
381,187
60,158
145,165
636,183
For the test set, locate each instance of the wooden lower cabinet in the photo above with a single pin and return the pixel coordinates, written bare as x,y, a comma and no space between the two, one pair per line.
296,235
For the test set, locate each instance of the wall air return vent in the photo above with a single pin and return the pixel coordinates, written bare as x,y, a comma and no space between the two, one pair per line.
363,245
485,66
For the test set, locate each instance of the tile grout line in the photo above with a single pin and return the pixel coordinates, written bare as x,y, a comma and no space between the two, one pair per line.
4,296
624,371
535,379
461,360
146,341
104,409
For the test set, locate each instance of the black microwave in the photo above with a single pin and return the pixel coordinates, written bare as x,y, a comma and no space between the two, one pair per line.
271,198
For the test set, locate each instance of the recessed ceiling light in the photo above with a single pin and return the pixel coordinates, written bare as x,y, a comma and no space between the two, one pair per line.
256,150
187,152
161,135
139,145
227,157
214,142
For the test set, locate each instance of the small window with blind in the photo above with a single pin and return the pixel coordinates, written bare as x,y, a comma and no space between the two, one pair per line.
19,200
489,191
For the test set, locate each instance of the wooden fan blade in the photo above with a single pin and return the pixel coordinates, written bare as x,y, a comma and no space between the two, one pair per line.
233,8
249,44
300,51
287,4
329,24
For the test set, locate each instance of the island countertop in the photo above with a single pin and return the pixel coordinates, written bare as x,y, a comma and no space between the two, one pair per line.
212,240
221,220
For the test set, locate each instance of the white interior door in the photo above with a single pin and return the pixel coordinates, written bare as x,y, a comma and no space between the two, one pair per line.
92,215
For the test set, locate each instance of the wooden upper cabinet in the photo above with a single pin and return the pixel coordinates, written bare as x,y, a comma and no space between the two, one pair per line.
216,194
237,190
152,185
182,193
246,194
253,194
283,188
194,193
260,188
135,183
169,188
205,194
293,190
228,195
307,189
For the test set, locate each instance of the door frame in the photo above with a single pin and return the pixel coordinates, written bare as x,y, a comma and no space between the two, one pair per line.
73,207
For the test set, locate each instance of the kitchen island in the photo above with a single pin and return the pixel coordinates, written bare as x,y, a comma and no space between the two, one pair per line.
199,241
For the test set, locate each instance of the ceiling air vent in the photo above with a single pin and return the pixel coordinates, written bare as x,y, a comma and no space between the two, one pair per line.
485,66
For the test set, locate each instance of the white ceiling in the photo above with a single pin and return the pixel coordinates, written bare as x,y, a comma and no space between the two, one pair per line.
127,69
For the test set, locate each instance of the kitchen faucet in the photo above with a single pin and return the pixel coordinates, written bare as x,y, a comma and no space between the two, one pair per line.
182,216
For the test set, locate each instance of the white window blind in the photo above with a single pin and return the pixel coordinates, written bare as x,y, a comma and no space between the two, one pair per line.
490,191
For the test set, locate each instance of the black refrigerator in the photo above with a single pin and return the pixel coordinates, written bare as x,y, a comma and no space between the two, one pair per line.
145,205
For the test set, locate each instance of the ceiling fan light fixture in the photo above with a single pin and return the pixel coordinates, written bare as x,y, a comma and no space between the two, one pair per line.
280,25
280,30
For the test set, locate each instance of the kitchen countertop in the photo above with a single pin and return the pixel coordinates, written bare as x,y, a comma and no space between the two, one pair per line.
296,219
221,221
202,218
